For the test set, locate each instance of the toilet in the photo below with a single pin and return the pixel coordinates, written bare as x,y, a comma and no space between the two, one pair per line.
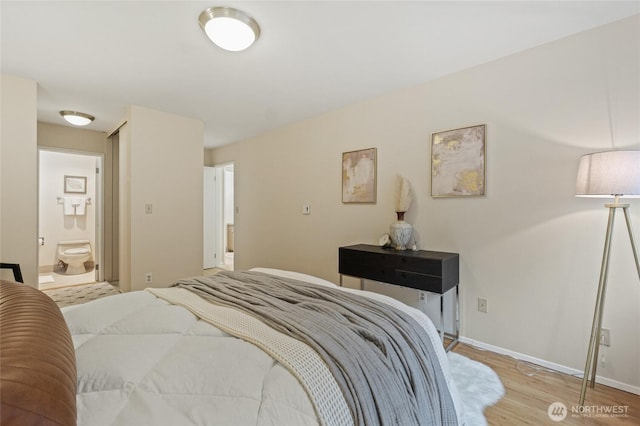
74,253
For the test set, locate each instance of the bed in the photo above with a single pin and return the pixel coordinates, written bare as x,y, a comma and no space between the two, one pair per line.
172,357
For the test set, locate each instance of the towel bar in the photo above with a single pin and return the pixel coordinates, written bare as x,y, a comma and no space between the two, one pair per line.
61,200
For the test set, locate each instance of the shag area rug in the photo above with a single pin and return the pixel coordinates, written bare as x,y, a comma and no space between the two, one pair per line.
75,295
478,386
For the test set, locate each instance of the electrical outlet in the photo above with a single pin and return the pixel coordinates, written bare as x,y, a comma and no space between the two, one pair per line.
148,278
483,305
421,296
605,337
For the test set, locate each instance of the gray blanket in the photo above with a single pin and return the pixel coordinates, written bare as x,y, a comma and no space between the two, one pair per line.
381,358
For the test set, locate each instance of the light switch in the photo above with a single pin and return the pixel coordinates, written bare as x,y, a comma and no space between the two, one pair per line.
148,208
306,209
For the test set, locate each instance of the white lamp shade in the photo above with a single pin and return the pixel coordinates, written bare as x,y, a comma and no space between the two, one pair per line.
609,173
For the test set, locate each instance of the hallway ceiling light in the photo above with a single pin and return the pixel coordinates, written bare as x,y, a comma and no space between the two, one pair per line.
229,28
77,118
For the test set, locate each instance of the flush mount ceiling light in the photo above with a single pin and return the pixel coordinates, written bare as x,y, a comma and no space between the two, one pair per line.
229,28
77,118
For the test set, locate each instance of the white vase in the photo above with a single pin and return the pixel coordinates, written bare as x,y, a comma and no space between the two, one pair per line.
400,232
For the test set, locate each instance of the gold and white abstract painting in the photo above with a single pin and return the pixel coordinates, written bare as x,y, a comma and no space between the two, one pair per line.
458,162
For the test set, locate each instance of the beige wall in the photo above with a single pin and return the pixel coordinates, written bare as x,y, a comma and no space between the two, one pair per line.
165,158
529,246
71,138
19,176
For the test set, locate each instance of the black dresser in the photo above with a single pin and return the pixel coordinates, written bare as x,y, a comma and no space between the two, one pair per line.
429,271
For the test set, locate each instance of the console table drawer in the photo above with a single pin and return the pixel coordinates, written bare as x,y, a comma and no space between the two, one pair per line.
373,271
369,260
420,265
418,281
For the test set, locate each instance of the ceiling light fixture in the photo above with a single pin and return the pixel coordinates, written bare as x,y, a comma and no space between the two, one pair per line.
77,118
229,28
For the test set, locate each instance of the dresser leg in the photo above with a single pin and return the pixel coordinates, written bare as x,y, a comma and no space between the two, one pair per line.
456,337
442,318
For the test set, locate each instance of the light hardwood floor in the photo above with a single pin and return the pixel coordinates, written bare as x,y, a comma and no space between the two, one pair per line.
527,398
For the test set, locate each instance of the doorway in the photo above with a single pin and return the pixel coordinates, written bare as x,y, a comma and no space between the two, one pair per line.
219,225
69,218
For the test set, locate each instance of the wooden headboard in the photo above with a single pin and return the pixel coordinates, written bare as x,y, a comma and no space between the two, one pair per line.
37,360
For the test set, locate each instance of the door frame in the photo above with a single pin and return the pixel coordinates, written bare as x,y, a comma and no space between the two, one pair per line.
97,202
210,238
214,210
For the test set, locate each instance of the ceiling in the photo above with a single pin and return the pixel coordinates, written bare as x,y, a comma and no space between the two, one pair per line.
312,56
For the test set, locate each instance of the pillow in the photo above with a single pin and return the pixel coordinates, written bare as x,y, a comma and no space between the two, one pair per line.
37,360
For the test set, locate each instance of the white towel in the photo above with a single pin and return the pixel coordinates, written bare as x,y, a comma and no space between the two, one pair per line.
79,203
69,209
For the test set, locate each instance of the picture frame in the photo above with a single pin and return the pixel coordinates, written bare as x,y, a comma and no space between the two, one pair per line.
359,176
458,162
75,184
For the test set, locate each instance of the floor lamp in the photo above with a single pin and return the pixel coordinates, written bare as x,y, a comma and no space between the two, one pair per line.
610,174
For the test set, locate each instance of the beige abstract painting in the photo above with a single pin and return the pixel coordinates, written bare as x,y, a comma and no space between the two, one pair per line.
359,176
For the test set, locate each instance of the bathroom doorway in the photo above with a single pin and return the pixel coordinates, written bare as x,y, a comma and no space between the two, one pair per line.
219,225
69,218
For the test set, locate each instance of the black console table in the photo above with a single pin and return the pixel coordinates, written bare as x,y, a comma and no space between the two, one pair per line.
429,271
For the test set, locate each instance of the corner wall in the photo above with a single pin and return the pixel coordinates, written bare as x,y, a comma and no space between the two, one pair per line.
529,246
165,169
19,177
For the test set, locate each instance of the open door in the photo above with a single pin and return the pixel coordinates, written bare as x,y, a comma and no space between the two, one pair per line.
219,226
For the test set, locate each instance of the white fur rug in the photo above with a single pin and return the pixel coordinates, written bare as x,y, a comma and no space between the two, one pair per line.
478,386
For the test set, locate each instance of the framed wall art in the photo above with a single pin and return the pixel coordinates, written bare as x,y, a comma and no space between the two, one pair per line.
359,176
458,162
75,184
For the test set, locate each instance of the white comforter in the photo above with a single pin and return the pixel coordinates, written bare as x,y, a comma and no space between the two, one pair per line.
143,361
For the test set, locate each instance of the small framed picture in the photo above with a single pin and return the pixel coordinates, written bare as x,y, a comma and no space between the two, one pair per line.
458,162
75,184
359,176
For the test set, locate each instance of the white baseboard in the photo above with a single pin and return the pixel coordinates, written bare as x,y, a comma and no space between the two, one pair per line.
550,365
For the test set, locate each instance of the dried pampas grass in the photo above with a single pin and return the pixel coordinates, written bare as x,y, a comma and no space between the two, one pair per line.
404,194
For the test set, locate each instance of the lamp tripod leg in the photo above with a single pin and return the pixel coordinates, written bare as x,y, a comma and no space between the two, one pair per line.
596,346
597,315
625,210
